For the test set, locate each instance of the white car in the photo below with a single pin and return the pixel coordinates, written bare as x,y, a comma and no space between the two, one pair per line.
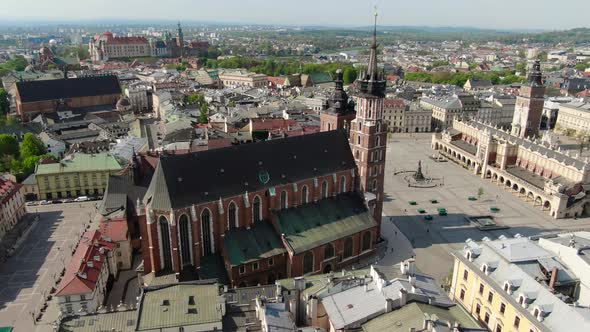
82,199
33,203
44,202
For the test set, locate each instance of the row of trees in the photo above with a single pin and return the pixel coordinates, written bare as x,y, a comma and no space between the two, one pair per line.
273,67
21,159
460,78
18,63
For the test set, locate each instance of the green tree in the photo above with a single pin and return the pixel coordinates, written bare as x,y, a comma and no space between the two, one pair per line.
204,116
8,145
32,146
349,74
4,102
480,192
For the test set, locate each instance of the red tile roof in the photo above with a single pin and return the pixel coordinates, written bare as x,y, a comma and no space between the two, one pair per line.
394,103
84,269
114,229
8,189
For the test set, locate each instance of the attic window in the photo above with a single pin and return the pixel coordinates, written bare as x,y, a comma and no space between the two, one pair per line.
222,170
191,310
191,300
294,156
179,179
165,302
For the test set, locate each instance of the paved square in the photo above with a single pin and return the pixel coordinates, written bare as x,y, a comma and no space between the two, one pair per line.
28,276
433,240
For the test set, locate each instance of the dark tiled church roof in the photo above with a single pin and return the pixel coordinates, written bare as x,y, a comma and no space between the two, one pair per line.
182,180
32,91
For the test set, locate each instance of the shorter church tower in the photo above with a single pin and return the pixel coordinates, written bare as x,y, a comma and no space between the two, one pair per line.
340,111
529,105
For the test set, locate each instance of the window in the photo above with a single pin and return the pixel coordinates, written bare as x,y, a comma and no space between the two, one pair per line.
486,318
516,322
536,313
358,140
342,184
462,295
506,287
325,189
490,297
284,200
271,262
366,241
502,308
242,269
69,308
481,289
255,266
328,251
465,274
304,195
68,299
308,262
347,248
256,209
232,216
498,328
477,309
521,300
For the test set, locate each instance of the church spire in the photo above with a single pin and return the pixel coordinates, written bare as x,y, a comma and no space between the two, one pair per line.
372,70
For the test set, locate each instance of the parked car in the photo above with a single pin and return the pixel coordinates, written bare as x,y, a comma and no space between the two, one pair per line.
45,202
68,200
33,203
82,199
56,201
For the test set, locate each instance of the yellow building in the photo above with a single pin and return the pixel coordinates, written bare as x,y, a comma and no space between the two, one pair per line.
77,175
514,285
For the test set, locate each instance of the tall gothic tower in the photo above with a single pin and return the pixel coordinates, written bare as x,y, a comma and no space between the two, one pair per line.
367,130
180,40
529,105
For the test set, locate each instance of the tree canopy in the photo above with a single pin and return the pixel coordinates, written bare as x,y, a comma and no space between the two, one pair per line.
32,146
4,102
8,146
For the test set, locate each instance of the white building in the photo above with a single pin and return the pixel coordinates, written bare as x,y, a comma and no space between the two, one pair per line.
574,118
138,96
54,146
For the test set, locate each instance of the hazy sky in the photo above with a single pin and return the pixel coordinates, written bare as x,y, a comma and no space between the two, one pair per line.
503,14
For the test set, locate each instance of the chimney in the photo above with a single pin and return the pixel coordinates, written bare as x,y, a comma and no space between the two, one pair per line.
553,279
388,305
300,283
403,297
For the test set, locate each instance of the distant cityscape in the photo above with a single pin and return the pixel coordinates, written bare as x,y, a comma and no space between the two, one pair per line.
211,177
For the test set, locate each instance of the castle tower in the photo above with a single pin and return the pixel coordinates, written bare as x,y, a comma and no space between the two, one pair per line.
368,132
529,105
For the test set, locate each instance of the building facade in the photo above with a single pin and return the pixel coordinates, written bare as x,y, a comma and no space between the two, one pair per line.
12,205
393,114
494,282
107,46
573,119
538,172
417,119
77,175
233,78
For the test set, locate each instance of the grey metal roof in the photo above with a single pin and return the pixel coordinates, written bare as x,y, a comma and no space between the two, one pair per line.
182,180
559,316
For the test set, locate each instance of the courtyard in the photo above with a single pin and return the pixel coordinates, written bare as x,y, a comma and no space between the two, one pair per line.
29,275
457,193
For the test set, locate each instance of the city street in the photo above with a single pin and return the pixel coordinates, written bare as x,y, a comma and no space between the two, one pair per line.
434,239
29,275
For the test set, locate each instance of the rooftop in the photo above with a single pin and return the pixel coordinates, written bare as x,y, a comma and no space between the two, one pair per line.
314,224
179,305
247,245
33,91
80,162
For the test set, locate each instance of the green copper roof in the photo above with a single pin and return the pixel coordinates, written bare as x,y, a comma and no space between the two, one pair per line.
247,245
318,223
81,163
118,321
171,306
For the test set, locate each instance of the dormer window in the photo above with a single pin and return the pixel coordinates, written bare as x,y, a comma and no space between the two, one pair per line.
468,255
521,300
507,288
